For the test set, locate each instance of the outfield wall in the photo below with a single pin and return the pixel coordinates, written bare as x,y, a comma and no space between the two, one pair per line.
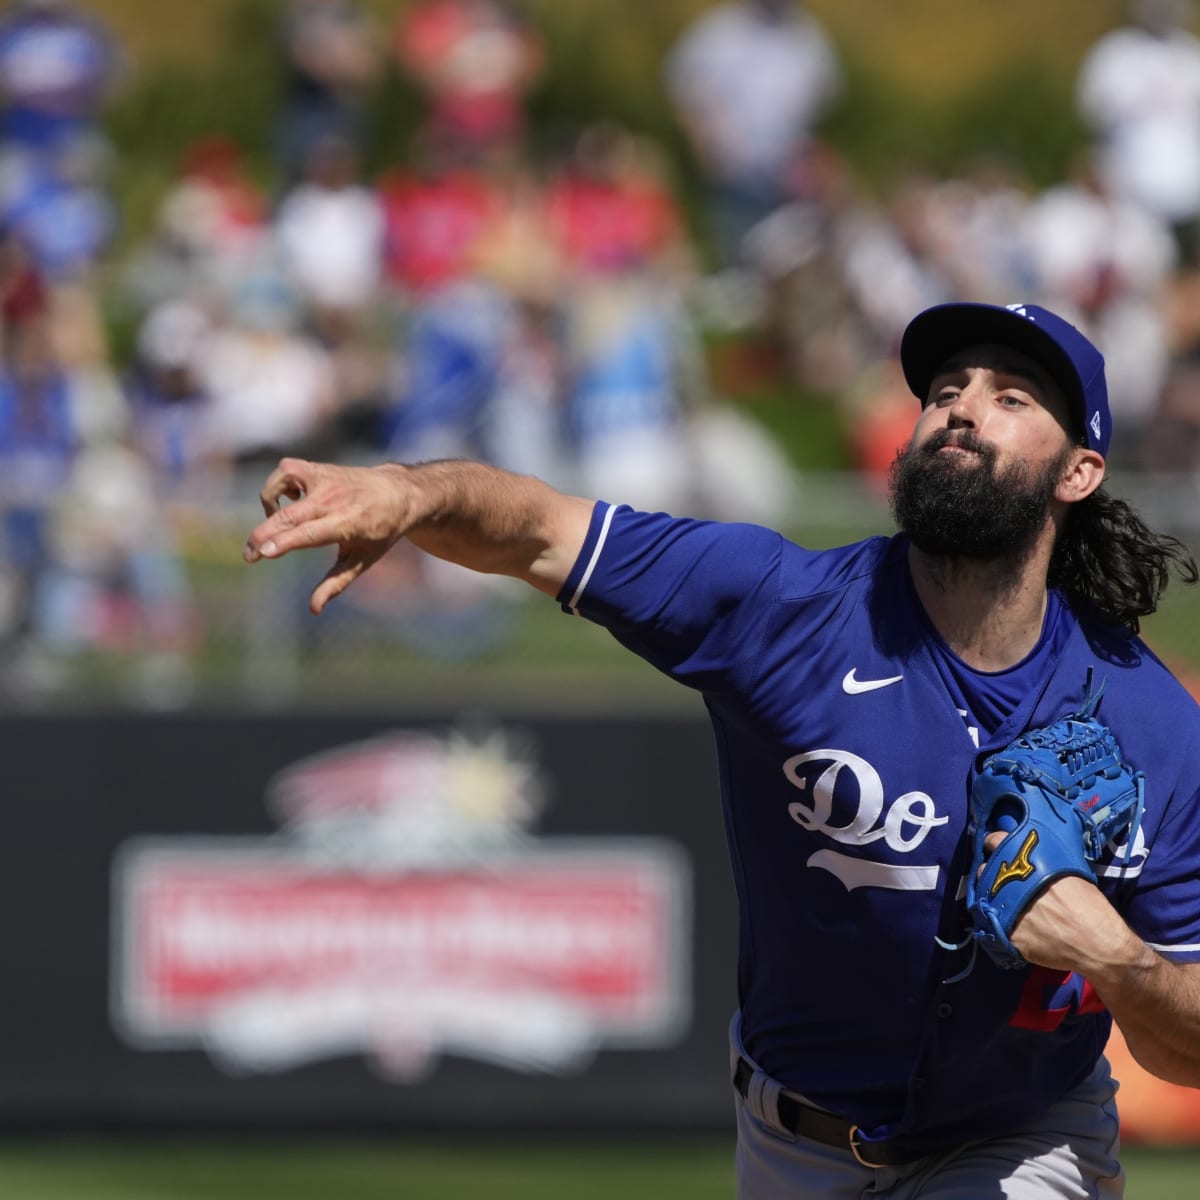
350,921
354,922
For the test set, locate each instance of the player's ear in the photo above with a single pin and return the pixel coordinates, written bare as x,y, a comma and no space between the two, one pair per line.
1083,474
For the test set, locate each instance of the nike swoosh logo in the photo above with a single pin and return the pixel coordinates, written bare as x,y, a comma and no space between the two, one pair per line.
856,687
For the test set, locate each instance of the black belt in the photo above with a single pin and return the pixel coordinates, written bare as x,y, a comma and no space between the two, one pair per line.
807,1122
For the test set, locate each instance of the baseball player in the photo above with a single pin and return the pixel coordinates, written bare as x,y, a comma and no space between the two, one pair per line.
902,1029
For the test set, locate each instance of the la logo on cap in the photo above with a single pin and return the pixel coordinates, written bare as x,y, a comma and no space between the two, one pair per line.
1019,309
1095,424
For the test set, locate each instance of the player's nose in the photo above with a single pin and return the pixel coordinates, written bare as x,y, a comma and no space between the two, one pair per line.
966,409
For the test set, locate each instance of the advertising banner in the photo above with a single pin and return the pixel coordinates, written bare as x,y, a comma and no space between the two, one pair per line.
363,922
350,921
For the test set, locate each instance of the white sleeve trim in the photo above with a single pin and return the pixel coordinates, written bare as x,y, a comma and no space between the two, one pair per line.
587,574
1193,948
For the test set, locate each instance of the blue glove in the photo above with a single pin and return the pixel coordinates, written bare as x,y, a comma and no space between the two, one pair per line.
1060,794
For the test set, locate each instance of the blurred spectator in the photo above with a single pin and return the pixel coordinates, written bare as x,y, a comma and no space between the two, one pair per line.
329,231
976,223
23,292
624,411
219,201
1139,90
59,210
330,63
878,414
801,296
272,388
211,221
475,62
434,213
79,344
891,262
618,234
330,234
115,582
465,385
1106,263
475,376
39,440
448,372
610,210
477,369
750,80
58,65
173,418
1171,442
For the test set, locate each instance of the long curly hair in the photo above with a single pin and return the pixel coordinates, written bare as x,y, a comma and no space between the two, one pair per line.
1109,558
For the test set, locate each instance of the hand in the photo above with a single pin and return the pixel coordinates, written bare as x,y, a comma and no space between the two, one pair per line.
364,511
1071,926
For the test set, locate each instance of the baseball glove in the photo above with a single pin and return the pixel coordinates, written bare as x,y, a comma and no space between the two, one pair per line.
1060,793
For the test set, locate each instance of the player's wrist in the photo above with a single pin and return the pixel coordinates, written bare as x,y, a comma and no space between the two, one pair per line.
416,492
1114,958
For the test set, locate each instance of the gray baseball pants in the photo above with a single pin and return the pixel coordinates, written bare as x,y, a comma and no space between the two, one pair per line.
1070,1152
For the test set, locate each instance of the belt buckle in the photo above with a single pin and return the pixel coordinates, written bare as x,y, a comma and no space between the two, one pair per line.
857,1152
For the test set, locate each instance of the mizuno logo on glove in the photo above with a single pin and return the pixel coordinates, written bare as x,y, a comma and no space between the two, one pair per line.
1020,867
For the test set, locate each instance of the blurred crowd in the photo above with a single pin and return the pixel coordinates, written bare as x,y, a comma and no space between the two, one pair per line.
836,271
544,308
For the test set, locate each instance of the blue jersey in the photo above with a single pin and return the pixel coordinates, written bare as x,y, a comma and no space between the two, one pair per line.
846,755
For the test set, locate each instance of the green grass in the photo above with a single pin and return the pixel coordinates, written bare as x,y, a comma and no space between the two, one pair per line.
1174,631
256,1169
1168,1174
278,1170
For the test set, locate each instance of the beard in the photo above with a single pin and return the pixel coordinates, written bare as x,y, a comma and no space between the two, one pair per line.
961,510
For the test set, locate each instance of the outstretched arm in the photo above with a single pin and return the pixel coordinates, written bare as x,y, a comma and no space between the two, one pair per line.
478,516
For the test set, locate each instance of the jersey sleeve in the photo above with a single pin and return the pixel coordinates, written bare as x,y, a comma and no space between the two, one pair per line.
691,597
1165,907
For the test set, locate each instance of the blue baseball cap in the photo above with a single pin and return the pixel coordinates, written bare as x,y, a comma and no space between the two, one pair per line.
1074,364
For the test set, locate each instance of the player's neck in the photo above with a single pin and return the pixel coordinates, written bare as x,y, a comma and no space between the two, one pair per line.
989,613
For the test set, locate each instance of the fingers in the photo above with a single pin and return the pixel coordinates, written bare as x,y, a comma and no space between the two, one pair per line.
989,847
291,478
329,506
303,523
300,526
337,579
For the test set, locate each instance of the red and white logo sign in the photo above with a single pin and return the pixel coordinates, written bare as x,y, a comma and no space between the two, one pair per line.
402,913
